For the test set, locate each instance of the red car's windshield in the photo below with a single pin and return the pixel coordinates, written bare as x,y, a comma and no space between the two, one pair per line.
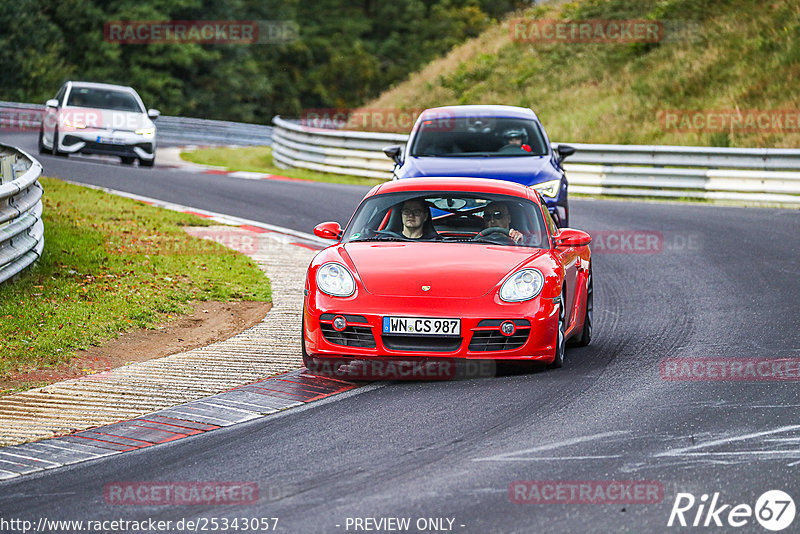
449,217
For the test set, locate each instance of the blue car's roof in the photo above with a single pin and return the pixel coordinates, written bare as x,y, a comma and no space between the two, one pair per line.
510,112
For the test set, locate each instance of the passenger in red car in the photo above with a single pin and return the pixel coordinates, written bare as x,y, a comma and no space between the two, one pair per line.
496,215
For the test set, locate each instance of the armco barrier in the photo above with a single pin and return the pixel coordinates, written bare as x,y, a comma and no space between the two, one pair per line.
335,151
739,174
171,130
746,174
21,226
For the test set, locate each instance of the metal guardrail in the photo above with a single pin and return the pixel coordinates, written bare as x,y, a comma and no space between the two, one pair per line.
21,226
688,156
171,130
184,130
749,174
740,174
334,151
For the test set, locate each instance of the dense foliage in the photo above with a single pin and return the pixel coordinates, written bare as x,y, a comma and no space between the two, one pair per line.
345,53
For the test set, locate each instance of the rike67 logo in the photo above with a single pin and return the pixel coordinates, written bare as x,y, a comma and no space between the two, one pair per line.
774,510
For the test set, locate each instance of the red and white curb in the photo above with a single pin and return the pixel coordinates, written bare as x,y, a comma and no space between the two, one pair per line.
280,233
248,175
237,405
169,157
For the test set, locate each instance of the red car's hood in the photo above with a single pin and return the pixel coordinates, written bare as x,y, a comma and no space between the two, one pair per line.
450,270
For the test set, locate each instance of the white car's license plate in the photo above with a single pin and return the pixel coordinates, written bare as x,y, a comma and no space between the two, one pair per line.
422,326
110,140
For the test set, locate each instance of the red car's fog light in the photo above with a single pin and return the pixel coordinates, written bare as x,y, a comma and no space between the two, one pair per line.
339,323
508,328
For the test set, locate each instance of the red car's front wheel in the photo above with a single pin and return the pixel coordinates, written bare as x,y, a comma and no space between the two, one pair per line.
586,334
558,360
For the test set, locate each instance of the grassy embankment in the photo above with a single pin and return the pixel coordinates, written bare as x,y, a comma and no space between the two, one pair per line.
259,159
715,55
110,265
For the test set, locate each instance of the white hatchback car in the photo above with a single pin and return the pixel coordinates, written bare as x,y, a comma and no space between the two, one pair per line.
99,118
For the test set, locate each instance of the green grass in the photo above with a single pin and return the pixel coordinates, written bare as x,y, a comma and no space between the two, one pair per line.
259,159
109,265
716,55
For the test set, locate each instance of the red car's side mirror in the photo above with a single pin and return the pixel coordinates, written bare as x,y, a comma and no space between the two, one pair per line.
328,230
569,237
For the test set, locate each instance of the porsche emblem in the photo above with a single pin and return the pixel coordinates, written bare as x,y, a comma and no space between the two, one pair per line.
426,288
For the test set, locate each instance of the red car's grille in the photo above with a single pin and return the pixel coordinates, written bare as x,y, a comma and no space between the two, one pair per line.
422,343
354,335
487,337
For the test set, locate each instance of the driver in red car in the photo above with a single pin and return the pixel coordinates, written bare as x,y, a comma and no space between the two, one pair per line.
496,215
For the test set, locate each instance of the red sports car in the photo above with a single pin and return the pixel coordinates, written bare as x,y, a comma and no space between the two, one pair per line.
431,272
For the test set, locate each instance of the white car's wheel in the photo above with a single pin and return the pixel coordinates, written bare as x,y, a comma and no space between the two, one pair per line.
42,148
56,151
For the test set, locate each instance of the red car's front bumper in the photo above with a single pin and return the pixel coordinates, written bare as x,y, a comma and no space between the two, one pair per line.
481,338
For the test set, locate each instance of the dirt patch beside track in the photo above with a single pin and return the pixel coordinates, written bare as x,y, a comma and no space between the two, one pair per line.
207,323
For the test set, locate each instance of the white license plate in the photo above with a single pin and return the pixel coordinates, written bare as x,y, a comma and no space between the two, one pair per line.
110,140
422,326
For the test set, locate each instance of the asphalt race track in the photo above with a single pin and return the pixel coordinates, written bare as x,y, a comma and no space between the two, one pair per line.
709,283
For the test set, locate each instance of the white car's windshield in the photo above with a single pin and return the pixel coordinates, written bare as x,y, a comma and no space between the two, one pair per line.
449,217
478,136
86,97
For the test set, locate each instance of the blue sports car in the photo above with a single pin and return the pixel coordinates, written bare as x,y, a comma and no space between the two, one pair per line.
502,142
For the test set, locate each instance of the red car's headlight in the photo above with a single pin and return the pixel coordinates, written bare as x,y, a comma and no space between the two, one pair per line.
522,285
334,279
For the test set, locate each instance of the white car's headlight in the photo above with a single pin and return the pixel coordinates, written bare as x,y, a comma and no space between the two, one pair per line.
73,124
548,189
522,285
147,132
334,279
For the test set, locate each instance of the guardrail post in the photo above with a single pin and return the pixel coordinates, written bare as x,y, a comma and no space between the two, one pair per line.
7,173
